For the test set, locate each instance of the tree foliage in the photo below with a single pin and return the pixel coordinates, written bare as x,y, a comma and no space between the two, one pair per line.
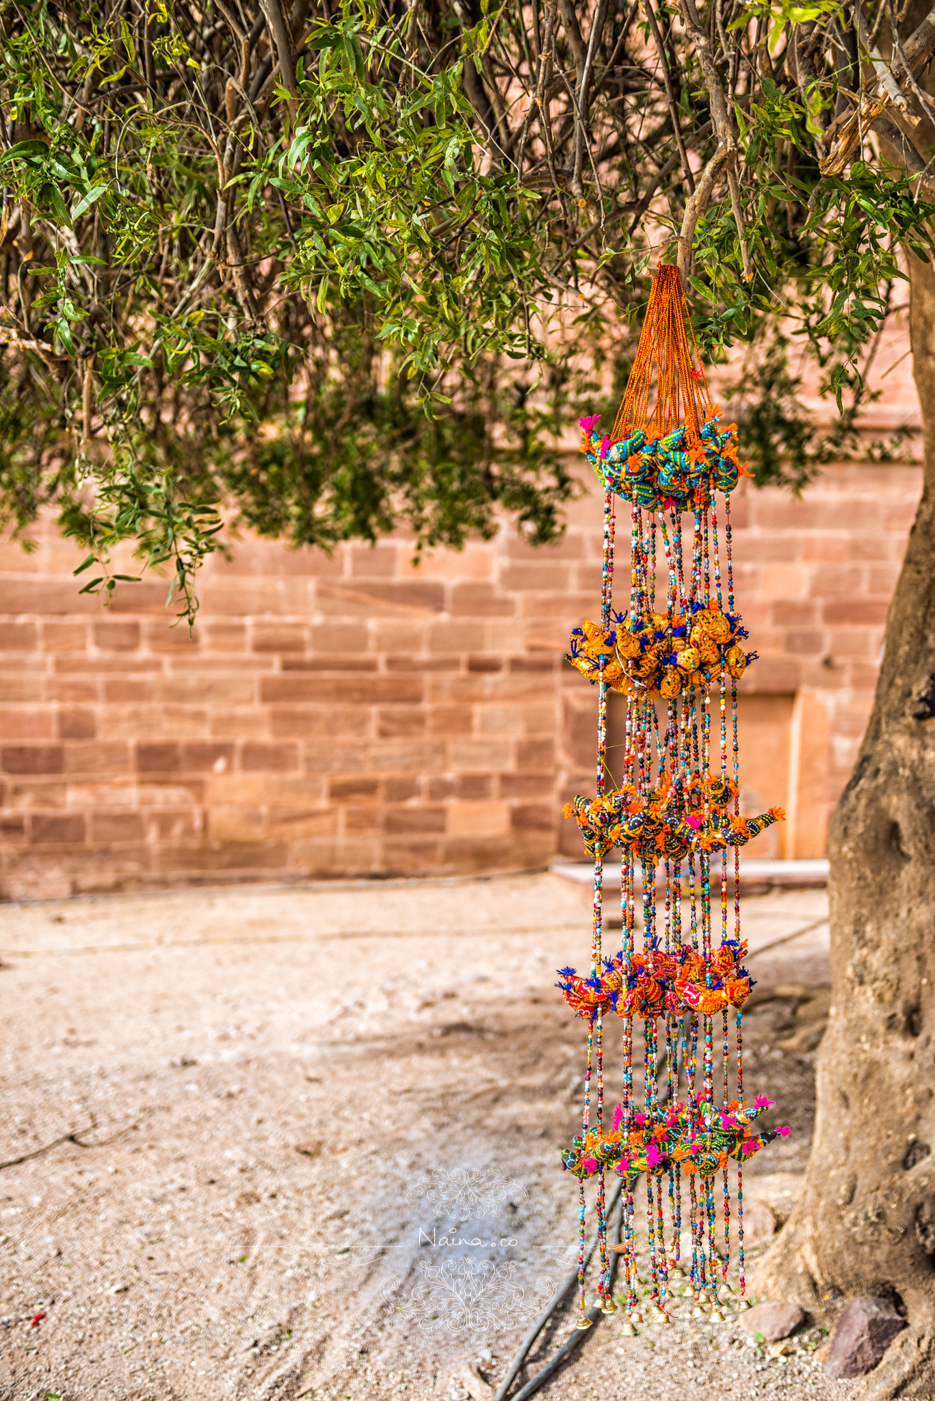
347,265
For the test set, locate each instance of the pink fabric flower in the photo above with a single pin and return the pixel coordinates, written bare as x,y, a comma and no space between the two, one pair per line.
590,1164
618,1115
761,1102
694,822
785,1131
653,1156
605,447
588,421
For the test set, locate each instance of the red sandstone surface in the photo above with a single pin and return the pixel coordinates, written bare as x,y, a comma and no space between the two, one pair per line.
361,715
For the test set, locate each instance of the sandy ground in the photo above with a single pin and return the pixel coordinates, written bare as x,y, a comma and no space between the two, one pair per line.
273,1097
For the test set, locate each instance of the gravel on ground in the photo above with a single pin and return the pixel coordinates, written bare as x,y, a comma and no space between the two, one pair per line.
254,1139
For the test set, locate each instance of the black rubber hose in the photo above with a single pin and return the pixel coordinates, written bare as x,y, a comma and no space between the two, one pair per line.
575,1337
552,1305
593,1314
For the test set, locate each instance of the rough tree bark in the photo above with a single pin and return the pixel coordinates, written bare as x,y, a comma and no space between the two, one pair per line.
865,1223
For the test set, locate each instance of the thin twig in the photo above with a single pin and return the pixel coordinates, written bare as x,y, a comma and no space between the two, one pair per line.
670,96
72,1137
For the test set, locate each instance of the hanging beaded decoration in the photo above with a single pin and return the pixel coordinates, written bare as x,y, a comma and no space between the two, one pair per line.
675,809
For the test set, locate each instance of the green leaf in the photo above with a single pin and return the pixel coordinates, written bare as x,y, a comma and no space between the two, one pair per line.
85,203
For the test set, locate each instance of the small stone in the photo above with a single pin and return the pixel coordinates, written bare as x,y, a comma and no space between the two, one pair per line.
472,1383
774,1321
864,1332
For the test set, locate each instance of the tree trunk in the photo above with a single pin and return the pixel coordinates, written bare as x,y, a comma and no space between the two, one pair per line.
865,1223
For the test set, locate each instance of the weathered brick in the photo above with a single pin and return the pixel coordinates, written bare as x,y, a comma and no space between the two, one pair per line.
64,637
158,758
412,857
403,820
827,548
44,596
500,720
133,690
450,720
328,759
268,558
536,576
117,828
406,756
186,721
291,824
868,611
215,755
268,638
484,754
270,758
471,600
172,825
214,690
58,830
455,637
439,662
354,790
311,759
534,754
36,793
401,790
374,561
340,690
330,661
335,638
779,547
110,758
213,857
32,758
221,635
396,634
852,642
361,820
538,817
786,612
18,637
116,637
396,720
361,599
805,641
242,722
105,665
478,819
256,597
77,724
26,722
526,785
546,661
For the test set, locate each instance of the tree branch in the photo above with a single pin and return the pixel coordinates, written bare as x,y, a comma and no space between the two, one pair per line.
281,35
670,95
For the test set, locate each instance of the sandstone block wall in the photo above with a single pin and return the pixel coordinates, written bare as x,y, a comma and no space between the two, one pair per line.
357,715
